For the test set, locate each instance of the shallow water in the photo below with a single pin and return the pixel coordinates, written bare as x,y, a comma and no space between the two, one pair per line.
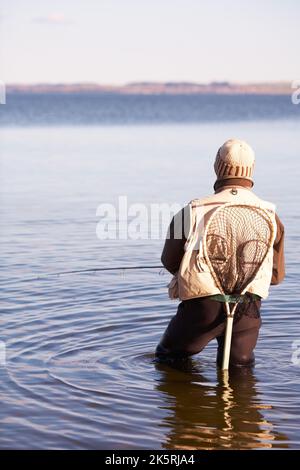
79,370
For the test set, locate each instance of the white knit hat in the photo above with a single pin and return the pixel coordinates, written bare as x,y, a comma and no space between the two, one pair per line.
235,159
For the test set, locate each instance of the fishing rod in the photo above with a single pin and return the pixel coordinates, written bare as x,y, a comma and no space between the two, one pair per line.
90,270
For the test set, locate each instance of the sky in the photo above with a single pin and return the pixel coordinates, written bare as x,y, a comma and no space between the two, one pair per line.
121,41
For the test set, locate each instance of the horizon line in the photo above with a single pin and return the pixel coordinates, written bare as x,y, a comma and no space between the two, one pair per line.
150,82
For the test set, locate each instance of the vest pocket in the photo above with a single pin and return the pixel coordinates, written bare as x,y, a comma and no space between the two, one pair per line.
201,264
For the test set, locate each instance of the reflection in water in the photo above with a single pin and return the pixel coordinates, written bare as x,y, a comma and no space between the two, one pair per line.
206,415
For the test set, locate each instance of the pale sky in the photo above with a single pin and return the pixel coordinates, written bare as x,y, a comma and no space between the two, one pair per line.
120,41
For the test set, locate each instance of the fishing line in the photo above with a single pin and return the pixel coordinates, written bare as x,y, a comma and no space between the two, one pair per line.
86,271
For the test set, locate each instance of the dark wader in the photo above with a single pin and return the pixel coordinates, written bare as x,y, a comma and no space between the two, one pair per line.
198,321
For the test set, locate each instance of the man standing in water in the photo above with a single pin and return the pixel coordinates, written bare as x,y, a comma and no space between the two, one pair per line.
201,315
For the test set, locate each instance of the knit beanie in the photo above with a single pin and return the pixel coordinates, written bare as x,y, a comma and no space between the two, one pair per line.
235,159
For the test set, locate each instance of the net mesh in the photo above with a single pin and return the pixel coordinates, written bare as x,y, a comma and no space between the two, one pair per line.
236,243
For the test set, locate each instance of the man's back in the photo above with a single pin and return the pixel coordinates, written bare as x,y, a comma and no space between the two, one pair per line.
182,222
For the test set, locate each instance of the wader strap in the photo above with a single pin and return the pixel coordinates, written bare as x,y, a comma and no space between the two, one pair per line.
235,298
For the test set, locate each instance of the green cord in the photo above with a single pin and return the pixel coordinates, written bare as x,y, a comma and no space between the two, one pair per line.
235,298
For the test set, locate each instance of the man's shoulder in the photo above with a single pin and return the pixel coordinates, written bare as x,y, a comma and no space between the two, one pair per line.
200,201
246,196
267,204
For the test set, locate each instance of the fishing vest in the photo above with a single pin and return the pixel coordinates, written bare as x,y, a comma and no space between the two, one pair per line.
194,278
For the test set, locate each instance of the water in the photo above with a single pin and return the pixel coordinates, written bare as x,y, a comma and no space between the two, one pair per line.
79,370
94,109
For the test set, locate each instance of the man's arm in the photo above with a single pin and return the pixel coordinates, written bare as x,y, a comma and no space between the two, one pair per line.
174,245
278,254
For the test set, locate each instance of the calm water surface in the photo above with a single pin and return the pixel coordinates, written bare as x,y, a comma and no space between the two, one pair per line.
79,370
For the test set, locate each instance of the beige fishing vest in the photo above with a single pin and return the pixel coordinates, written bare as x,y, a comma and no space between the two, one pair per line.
194,278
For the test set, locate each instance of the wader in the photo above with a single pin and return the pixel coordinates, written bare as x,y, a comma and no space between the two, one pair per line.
199,321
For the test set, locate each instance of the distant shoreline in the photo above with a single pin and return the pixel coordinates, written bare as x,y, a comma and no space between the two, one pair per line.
153,88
